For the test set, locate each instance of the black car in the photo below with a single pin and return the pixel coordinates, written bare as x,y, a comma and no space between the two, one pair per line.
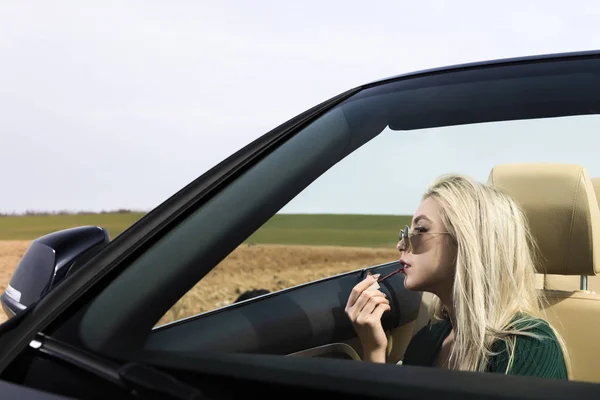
84,309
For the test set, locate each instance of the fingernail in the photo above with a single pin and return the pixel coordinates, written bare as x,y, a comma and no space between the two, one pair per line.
376,276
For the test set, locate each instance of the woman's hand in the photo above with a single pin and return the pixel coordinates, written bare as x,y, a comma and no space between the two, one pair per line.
365,308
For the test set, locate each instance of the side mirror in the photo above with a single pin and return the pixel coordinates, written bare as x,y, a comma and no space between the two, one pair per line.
47,262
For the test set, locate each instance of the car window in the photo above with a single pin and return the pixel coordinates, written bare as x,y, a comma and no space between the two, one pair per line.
350,217
370,157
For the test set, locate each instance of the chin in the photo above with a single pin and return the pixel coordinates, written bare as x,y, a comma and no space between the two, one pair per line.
412,284
416,283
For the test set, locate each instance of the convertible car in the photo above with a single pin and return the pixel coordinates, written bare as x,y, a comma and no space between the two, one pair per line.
84,307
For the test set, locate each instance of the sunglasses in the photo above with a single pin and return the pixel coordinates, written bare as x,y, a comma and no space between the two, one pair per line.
411,241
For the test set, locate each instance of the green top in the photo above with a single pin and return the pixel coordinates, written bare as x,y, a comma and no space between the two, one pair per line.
533,357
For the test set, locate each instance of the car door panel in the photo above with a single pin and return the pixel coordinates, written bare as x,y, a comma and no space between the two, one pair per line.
12,391
292,320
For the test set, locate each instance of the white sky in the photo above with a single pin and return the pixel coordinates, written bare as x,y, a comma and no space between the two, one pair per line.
118,104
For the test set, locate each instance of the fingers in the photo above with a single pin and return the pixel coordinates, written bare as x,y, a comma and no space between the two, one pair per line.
366,304
379,310
365,297
360,288
373,303
373,318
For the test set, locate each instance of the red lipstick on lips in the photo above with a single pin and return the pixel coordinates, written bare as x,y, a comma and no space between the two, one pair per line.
393,273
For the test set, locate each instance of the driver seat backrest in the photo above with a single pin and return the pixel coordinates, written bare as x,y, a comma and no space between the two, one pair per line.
563,214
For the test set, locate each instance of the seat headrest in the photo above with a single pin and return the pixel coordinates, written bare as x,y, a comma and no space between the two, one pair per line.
596,184
563,214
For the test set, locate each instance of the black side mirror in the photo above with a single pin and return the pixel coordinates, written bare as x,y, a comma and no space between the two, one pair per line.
47,262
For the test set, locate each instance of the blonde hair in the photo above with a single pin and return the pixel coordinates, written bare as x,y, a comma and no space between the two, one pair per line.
494,294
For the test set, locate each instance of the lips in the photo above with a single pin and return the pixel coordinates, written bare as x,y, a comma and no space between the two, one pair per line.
404,264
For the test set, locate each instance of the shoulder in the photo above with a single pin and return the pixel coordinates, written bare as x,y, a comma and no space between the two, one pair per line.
535,351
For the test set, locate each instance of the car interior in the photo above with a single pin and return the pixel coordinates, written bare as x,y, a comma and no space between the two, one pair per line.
561,203
563,212
562,208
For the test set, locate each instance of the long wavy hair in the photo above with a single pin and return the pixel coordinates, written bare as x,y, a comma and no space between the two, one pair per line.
494,294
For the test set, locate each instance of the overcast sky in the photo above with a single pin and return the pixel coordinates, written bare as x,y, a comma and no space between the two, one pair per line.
118,104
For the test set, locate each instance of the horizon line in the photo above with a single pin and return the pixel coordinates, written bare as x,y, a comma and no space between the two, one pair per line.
33,213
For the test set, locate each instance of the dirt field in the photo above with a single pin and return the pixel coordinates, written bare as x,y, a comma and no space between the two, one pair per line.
10,255
271,267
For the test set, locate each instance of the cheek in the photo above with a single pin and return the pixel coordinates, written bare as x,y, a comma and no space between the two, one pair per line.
445,260
448,257
431,267
433,255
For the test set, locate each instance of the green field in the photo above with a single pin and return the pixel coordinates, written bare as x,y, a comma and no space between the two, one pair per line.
31,227
330,229
305,229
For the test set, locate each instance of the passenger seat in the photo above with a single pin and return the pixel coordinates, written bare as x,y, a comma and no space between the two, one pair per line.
560,203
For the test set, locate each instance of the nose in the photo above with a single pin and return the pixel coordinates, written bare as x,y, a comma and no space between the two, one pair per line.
400,247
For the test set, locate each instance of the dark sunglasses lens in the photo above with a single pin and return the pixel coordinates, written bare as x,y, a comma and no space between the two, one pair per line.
403,237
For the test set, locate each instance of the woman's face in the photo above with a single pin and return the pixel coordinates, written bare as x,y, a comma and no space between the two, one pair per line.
430,263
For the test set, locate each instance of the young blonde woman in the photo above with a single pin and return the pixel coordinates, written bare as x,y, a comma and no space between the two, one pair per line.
470,246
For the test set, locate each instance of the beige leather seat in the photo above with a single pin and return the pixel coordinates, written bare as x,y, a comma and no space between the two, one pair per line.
561,206
559,282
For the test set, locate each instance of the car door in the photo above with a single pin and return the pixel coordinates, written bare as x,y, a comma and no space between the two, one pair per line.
304,320
94,336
